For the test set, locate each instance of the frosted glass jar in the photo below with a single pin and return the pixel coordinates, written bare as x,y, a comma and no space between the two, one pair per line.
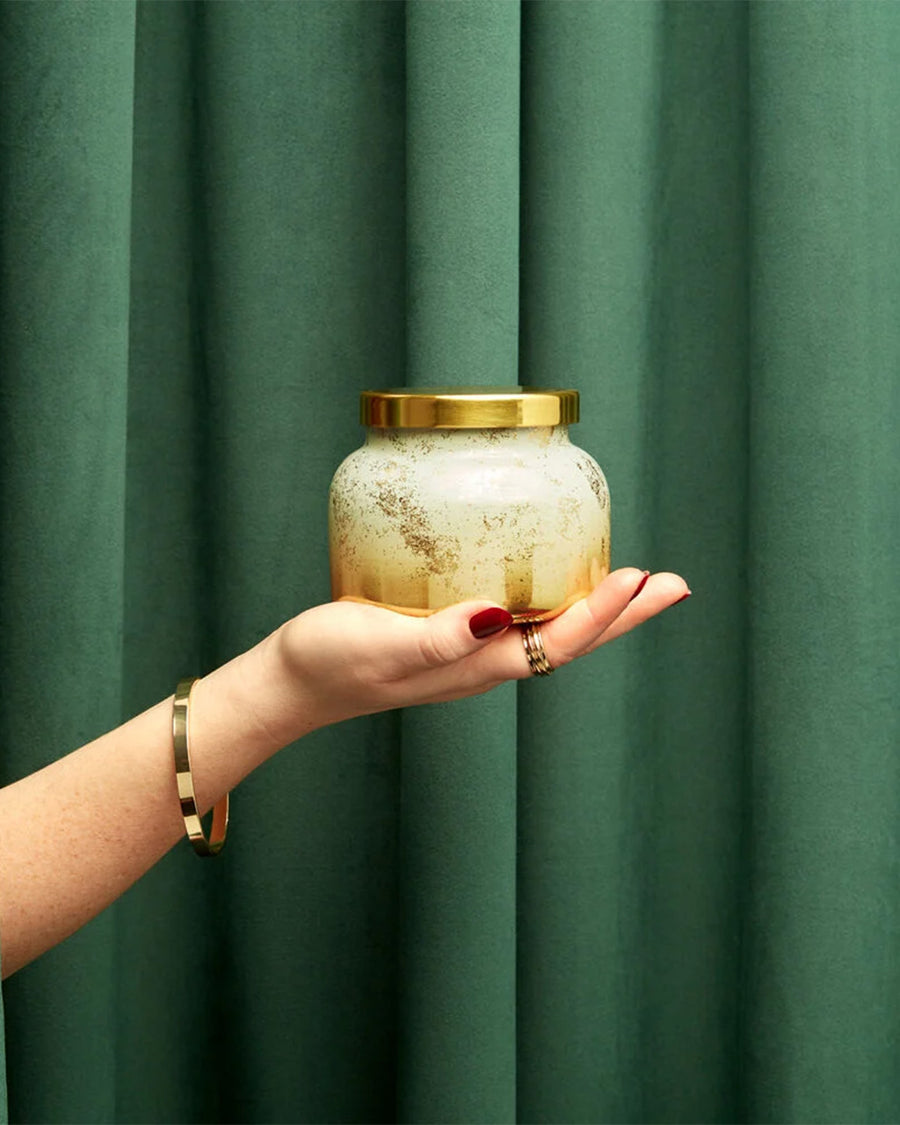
469,493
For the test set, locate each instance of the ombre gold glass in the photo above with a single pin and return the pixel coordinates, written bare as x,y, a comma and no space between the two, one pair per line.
469,492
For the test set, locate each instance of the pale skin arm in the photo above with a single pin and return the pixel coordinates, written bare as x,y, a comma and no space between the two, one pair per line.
76,834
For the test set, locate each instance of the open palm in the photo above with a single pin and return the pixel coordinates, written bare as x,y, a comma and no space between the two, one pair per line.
356,659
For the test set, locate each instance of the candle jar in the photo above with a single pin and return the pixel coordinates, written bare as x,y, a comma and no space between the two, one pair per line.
462,493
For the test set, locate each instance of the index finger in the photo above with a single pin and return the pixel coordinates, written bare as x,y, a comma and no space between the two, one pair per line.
603,615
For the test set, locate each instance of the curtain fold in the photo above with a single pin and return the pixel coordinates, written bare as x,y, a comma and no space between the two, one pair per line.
65,203
634,282
824,521
268,286
660,886
457,1041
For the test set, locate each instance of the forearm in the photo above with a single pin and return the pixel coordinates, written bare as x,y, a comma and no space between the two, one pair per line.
76,834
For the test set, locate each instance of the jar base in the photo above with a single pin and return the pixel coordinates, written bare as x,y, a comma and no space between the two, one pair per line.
520,616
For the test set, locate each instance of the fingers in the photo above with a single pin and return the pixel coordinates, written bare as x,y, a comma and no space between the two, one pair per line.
623,600
469,647
609,611
661,591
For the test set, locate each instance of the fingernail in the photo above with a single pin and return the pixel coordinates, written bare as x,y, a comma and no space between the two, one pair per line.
683,597
641,585
489,621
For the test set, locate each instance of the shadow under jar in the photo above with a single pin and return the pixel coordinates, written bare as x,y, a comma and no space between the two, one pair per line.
468,492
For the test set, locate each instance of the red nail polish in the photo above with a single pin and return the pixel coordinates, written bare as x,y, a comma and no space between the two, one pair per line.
641,585
489,621
683,597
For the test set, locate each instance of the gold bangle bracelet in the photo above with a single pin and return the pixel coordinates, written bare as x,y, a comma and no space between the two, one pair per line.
181,739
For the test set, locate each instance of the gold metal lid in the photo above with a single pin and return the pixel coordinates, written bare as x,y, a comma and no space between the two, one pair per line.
467,408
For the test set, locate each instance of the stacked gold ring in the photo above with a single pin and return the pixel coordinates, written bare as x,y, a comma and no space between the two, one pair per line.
534,650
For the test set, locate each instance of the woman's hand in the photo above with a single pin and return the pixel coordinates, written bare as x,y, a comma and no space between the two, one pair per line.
346,658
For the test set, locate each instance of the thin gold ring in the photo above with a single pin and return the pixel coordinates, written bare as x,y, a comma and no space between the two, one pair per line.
535,651
181,740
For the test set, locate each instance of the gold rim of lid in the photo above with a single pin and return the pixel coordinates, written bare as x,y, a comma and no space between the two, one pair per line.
467,408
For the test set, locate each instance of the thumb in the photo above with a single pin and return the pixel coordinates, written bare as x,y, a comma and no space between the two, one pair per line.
459,630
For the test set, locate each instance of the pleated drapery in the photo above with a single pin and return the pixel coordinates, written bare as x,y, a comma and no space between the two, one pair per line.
661,886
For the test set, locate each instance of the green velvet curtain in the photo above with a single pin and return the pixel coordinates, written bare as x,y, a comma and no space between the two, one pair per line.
661,886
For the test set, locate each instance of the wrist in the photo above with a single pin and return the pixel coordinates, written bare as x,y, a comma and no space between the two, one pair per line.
242,713
285,707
